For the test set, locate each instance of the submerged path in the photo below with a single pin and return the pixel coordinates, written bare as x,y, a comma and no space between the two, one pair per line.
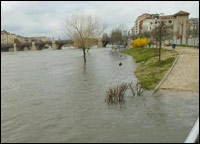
185,74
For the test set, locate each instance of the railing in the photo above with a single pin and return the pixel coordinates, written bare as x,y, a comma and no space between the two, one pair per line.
193,136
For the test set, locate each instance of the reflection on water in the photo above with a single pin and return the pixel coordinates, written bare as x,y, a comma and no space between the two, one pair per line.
51,96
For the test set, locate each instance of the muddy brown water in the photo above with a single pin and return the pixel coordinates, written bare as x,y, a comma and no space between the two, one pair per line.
50,96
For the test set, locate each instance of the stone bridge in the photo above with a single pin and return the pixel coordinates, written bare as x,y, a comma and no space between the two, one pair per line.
35,45
55,45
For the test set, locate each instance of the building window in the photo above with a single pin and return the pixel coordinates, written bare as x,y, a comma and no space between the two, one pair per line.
155,22
170,21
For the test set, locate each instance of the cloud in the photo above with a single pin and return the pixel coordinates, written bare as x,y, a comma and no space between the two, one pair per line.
47,18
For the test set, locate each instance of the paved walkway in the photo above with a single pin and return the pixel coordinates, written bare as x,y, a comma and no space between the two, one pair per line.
185,74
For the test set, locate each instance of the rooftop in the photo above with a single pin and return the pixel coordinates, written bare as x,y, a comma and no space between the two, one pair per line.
166,17
4,32
181,13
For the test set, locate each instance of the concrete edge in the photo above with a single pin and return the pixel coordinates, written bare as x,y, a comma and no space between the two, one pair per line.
166,75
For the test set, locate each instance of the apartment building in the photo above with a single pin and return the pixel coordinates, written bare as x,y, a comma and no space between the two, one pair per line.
193,23
9,38
6,37
177,22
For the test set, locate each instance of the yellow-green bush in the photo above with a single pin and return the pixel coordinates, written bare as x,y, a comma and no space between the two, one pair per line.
140,42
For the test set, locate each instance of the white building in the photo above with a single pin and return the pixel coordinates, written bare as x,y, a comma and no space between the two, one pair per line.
178,23
149,24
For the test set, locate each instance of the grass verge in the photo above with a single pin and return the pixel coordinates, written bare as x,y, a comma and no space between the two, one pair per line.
150,71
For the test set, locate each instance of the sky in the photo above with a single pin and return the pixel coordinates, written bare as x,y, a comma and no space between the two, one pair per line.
47,18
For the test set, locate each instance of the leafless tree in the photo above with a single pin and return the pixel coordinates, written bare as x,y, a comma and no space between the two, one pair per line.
154,35
195,34
115,36
84,30
162,28
105,39
181,35
119,36
188,31
168,34
124,30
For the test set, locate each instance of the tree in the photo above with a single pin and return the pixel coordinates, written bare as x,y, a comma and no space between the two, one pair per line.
154,34
105,39
168,34
116,36
181,35
119,35
124,30
145,34
188,31
195,34
84,30
17,41
140,42
162,30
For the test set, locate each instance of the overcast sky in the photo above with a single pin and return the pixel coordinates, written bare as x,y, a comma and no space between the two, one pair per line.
48,18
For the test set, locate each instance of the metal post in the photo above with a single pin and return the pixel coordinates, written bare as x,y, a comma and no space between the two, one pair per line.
193,136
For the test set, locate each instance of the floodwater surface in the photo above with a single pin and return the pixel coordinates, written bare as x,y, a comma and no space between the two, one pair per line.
51,96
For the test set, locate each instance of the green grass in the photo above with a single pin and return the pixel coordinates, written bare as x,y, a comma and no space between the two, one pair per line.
185,45
150,71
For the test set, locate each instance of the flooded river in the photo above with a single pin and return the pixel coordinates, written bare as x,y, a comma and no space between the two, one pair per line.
50,96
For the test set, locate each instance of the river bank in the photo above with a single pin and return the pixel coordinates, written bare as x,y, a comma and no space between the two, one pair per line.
150,71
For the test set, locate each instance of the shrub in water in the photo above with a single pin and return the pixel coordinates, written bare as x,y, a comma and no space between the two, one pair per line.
116,94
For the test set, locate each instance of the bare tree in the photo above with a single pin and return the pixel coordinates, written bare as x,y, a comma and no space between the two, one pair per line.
119,35
162,29
195,34
115,36
154,34
105,39
188,31
84,30
146,34
181,35
168,34
124,30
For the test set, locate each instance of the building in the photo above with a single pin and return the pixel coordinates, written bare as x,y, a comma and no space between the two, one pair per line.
138,23
9,38
193,23
143,23
178,23
180,20
168,20
40,39
3,37
149,24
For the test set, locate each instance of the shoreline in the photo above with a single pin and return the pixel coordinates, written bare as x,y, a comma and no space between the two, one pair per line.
149,70
182,75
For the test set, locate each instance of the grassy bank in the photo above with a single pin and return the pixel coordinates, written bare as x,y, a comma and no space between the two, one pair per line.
150,71
178,45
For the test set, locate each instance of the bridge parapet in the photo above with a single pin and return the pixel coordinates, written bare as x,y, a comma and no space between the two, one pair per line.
36,45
